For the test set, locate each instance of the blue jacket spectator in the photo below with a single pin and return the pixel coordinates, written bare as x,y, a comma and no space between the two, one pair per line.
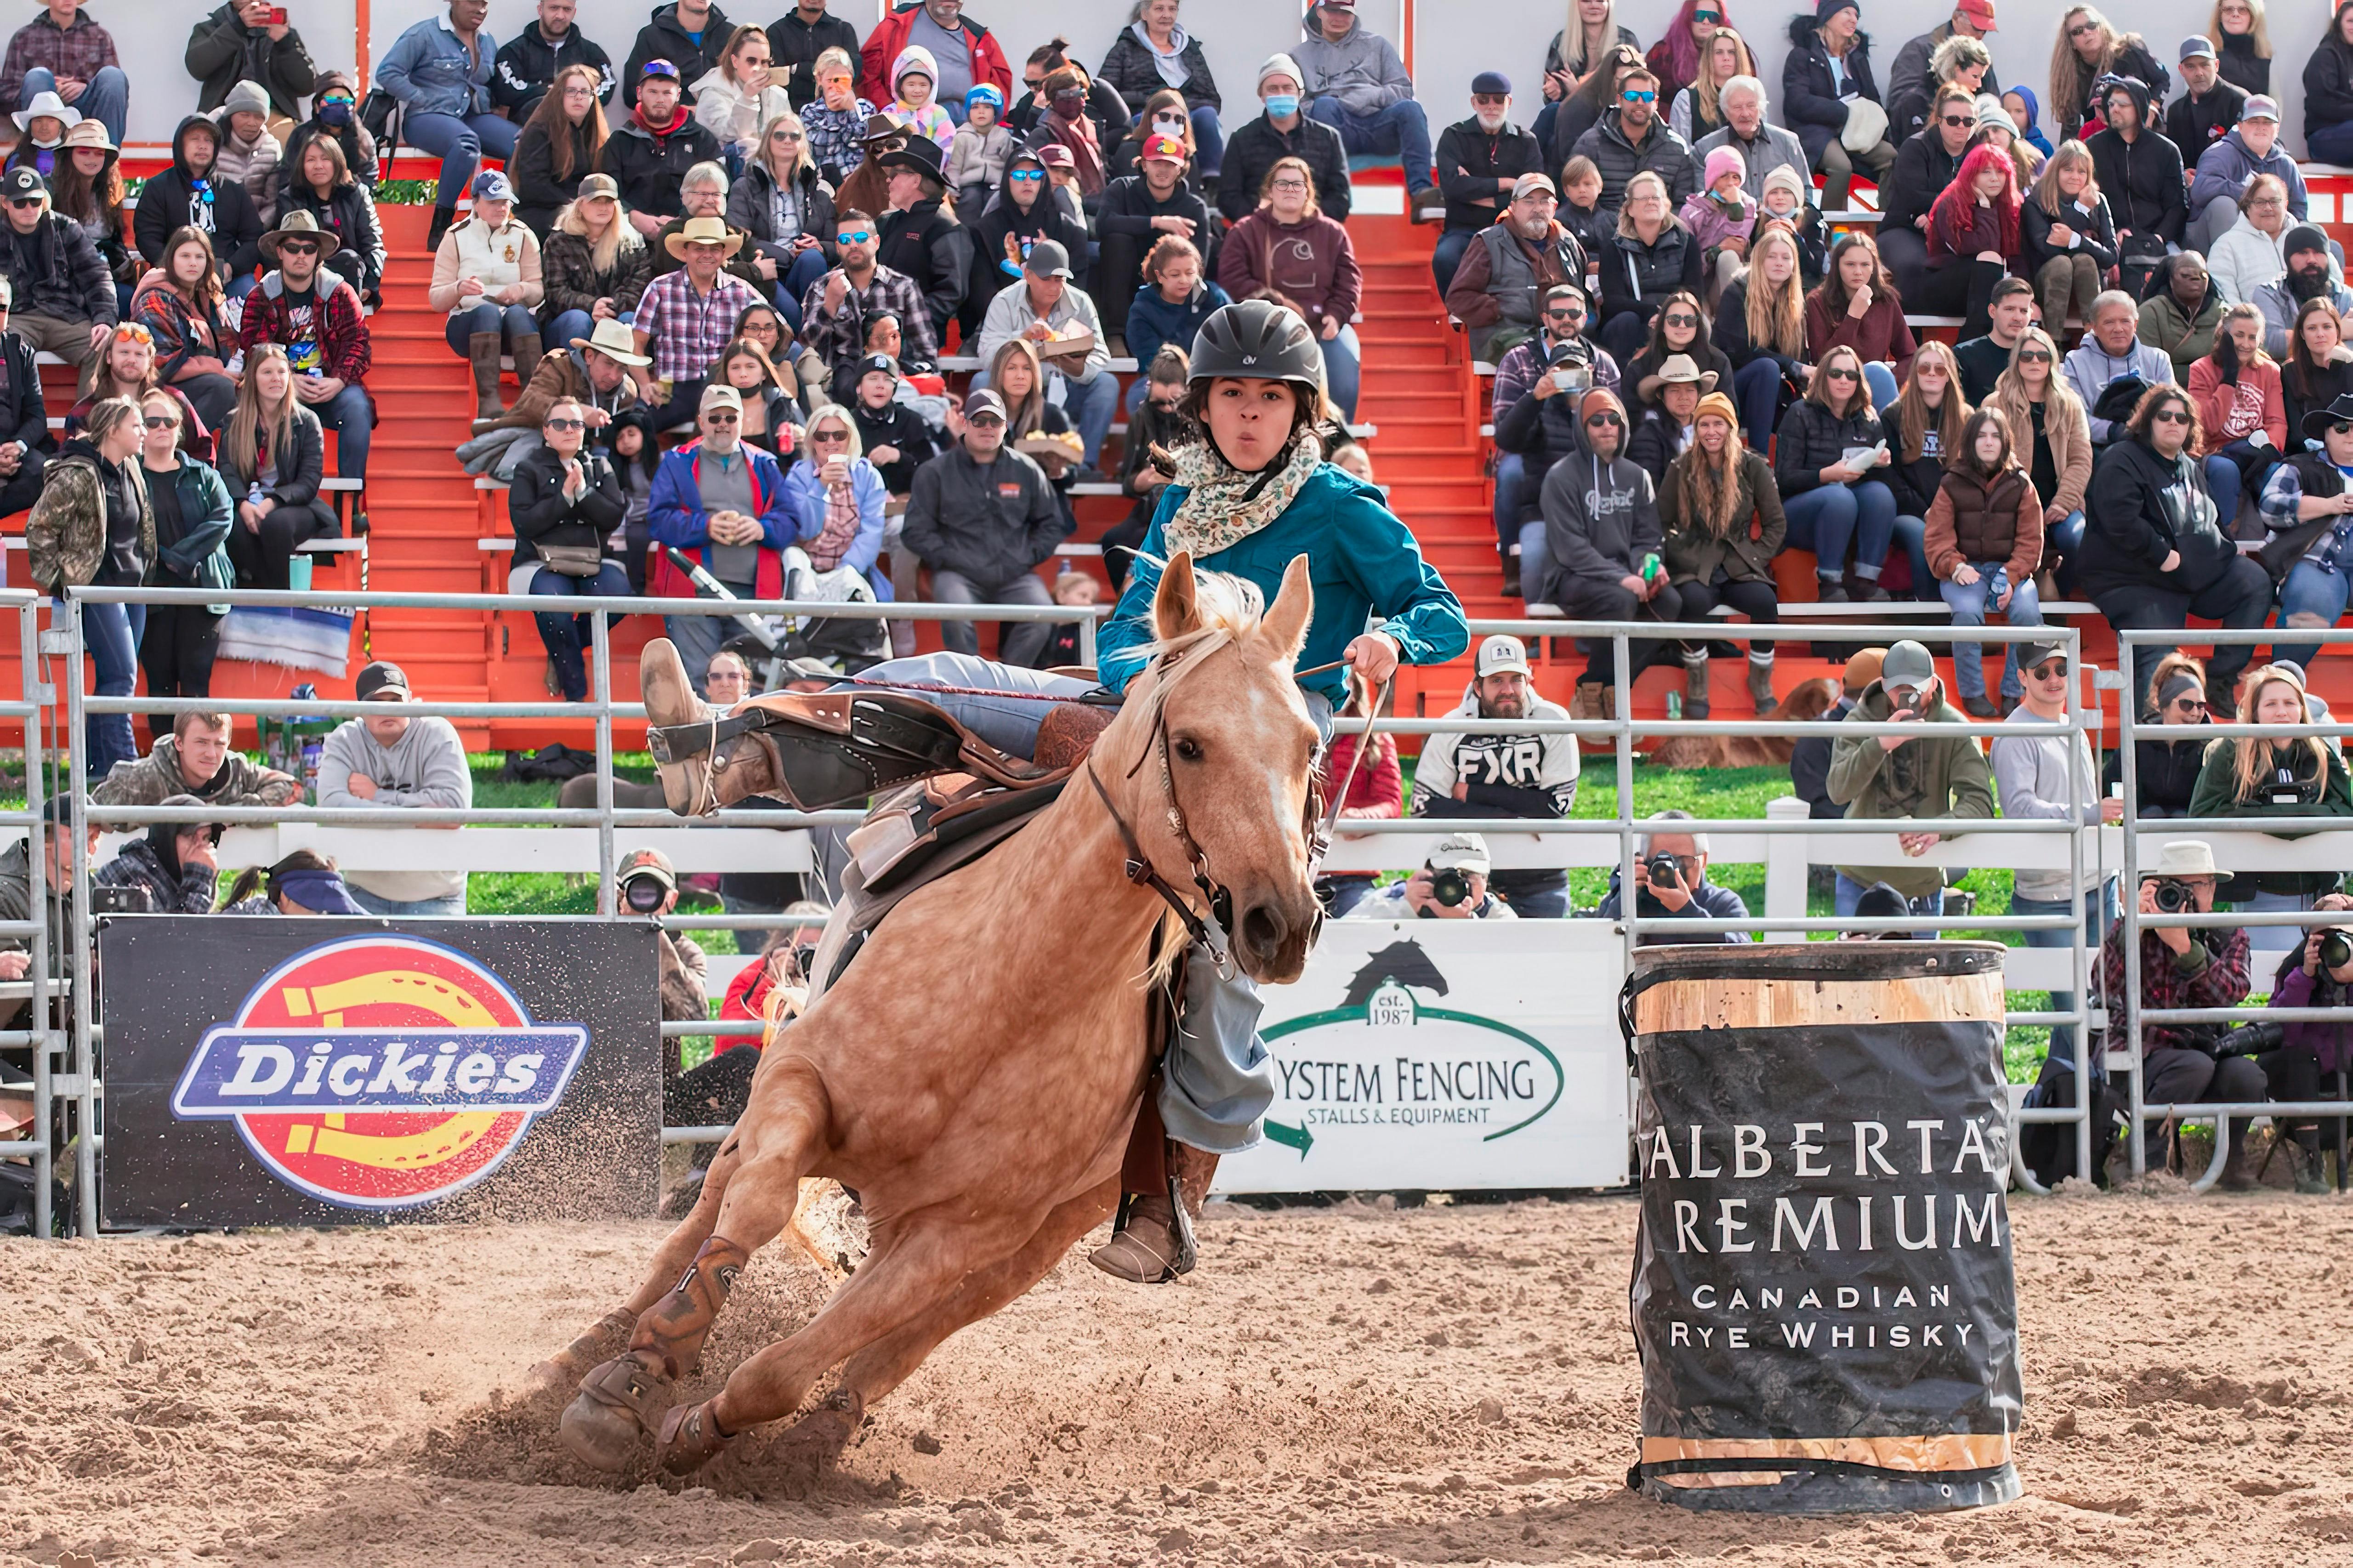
1154,319
440,71
806,502
2224,169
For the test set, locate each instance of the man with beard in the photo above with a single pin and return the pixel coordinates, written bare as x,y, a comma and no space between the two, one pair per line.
1633,135
2305,249
1501,279
1479,161
1504,775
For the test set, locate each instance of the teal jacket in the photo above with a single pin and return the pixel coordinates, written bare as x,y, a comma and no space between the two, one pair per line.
1363,561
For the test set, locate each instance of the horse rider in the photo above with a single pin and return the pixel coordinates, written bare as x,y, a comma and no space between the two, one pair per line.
1251,495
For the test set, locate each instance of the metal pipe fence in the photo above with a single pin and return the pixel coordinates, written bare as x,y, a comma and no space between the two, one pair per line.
1621,733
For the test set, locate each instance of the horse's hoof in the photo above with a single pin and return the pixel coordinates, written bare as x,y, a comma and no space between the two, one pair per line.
621,1403
689,1439
606,1338
813,1444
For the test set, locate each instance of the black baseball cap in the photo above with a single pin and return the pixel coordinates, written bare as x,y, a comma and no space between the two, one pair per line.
23,181
380,678
873,363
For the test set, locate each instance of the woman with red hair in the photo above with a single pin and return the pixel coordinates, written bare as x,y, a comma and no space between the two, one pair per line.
1972,233
1675,59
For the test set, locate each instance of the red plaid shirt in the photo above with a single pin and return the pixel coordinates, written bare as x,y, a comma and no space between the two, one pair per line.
2221,982
79,51
342,334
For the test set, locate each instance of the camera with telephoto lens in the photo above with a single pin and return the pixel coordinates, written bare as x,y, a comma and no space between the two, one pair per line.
2336,949
2176,897
2250,1040
643,894
1451,887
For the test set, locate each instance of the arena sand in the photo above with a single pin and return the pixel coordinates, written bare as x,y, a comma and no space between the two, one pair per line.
1354,1386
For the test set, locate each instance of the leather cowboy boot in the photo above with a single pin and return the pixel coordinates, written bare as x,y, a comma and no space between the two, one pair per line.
723,772
1154,1241
482,353
526,357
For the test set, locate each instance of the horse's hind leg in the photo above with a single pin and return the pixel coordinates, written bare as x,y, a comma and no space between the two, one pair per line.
817,1438
748,1198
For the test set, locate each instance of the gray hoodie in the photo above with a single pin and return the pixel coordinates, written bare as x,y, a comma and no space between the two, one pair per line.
1362,70
426,768
1600,519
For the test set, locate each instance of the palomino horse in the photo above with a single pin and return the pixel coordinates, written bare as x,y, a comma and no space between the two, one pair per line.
975,1073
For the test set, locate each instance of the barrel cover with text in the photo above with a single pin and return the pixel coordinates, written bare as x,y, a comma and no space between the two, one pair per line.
1823,1298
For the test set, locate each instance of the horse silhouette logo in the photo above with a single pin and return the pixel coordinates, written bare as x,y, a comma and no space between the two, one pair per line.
1403,961
380,1071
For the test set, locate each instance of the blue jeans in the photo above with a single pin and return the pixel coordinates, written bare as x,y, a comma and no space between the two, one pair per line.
1828,518
1400,128
110,634
348,415
567,636
2062,1035
1448,255
2064,539
2323,143
1534,559
510,322
1847,892
461,142
454,904
1969,609
792,282
1757,393
2311,598
1342,370
557,334
1511,476
697,637
106,98
1881,379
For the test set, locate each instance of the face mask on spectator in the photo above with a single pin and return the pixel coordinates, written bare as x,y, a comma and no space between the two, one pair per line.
335,111
1281,105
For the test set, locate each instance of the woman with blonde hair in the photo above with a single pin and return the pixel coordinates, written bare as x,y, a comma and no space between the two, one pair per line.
2053,437
2067,236
2263,776
1652,255
1760,325
595,265
1698,108
836,498
558,146
273,454
2243,45
787,209
1720,517
2088,48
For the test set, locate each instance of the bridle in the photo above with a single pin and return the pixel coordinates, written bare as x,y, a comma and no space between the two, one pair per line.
1318,826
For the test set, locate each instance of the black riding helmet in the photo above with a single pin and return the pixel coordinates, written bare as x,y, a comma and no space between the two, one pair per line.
1258,340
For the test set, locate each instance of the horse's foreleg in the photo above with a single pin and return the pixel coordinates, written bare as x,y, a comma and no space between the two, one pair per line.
748,1198
909,1273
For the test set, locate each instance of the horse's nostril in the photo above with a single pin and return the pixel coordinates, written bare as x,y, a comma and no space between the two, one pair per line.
1263,928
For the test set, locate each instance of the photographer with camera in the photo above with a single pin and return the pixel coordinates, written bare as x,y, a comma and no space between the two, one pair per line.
645,888
175,864
1671,883
1898,777
1451,886
2181,967
2319,973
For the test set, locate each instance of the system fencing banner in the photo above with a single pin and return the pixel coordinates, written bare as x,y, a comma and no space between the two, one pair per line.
1445,1056
323,1072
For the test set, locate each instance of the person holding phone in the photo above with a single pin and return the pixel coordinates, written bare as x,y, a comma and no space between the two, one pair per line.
1940,774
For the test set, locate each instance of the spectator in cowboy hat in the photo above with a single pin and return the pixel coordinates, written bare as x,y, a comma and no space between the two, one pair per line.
690,315
43,124
1669,398
316,316
867,188
593,372
74,59
1424,895
920,236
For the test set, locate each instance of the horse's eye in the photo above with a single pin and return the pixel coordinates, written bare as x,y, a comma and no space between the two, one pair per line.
1188,747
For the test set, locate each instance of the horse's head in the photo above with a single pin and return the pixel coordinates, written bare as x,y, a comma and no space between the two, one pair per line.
1241,749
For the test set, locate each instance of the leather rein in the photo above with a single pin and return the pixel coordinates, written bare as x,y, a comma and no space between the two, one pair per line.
1219,899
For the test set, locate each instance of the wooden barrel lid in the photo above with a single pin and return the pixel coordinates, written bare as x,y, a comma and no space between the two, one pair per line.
1815,985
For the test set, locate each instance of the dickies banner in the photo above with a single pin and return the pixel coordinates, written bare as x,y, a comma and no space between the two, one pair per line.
272,1070
1823,1299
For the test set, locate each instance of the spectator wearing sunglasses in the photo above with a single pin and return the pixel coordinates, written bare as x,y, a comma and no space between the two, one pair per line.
2170,748
2030,774
94,526
128,369
315,317
26,445
334,114
2154,552
1826,83
564,504
725,503
64,296
835,311
1633,135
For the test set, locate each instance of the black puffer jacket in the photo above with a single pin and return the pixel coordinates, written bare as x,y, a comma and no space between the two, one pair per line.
2097,231
647,171
1255,148
1639,277
2141,508
662,38
2165,770
1920,173
1662,153
1128,66
1810,104
541,514
750,209
1541,431
168,201
1811,439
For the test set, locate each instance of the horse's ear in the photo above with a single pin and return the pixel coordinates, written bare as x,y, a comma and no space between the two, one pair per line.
1283,628
1176,610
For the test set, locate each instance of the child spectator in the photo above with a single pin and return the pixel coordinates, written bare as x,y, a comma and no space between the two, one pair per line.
978,152
1581,205
914,78
835,118
1722,218
1071,590
1984,542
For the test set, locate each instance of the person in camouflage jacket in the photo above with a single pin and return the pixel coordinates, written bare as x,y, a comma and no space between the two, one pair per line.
196,760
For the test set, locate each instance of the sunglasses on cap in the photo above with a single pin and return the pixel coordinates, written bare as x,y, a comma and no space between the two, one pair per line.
854,237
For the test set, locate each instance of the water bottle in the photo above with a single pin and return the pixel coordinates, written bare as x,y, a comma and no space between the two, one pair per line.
308,740
1996,584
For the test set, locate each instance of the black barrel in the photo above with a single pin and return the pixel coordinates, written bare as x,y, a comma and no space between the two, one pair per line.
1822,1298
